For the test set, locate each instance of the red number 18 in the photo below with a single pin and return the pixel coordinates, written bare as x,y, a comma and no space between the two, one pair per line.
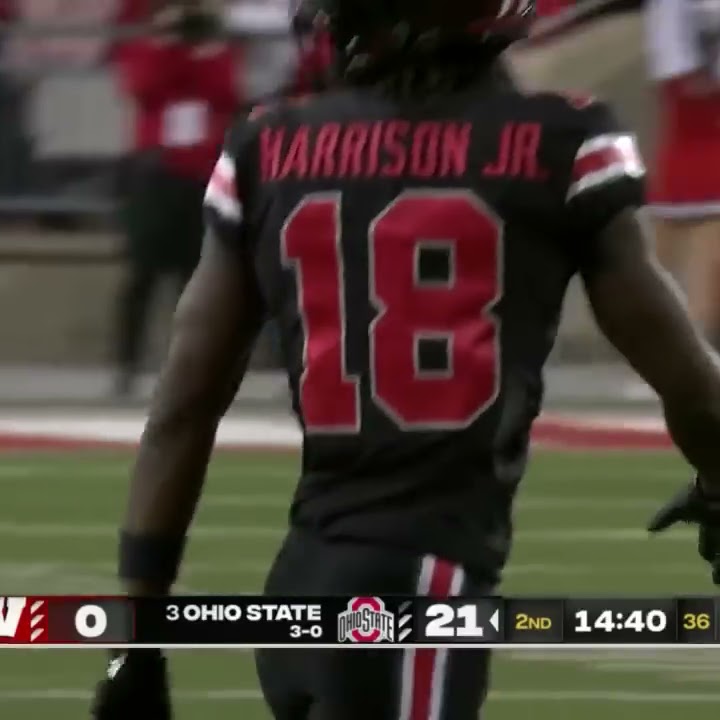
456,310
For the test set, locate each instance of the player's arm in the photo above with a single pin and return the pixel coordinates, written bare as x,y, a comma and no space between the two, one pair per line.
215,326
634,301
640,311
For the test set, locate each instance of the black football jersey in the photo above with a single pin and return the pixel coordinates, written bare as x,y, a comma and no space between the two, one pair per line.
415,256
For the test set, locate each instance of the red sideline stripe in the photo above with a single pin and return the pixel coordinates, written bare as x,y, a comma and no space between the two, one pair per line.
568,435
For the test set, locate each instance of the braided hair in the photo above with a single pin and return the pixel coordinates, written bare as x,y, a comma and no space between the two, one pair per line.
425,66
404,48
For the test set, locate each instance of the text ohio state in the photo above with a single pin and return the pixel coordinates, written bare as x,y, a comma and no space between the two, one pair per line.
256,612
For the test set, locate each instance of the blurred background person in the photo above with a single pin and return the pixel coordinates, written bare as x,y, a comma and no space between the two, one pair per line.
315,54
72,50
182,82
263,29
15,142
683,41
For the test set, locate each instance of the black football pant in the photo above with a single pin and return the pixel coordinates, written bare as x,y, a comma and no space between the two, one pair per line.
373,684
163,222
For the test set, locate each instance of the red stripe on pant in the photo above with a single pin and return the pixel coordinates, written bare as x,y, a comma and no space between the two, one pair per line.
436,580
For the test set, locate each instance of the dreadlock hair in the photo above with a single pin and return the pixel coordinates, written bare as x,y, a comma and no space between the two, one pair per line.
409,49
427,65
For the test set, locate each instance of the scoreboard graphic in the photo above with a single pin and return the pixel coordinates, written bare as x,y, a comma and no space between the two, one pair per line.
247,621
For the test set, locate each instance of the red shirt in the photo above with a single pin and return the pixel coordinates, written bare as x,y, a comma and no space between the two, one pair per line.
546,8
184,99
134,11
7,10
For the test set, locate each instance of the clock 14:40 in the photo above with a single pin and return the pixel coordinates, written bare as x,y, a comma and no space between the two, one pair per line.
609,621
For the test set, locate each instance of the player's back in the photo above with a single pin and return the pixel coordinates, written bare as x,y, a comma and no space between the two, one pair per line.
416,255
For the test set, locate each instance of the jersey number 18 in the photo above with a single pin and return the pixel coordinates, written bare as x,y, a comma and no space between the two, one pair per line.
456,311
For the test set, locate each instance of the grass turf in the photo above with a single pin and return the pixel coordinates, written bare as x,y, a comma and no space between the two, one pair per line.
580,521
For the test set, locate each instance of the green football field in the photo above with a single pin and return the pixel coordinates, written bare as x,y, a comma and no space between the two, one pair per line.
580,530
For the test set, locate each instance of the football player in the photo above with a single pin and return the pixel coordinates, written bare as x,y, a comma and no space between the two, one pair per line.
413,233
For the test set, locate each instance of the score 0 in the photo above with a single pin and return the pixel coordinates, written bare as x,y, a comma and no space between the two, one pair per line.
101,620
91,621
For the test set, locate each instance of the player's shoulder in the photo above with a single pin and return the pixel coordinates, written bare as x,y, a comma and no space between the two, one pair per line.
593,164
563,102
289,110
570,112
580,132
597,157
297,107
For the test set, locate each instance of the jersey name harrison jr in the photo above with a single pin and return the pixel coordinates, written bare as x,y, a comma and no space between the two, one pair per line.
395,148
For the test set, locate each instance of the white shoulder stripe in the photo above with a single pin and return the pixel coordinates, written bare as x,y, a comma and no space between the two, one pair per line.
610,141
605,159
603,177
221,193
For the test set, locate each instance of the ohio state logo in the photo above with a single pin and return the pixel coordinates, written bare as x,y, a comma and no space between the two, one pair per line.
366,621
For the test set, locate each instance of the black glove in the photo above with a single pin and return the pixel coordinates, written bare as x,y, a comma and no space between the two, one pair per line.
136,688
693,505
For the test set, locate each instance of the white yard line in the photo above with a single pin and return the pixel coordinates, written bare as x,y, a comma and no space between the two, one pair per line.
557,502
239,694
602,696
65,578
524,696
99,475
687,665
31,572
601,535
280,432
570,502
653,668
249,500
222,532
608,421
42,530
682,654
